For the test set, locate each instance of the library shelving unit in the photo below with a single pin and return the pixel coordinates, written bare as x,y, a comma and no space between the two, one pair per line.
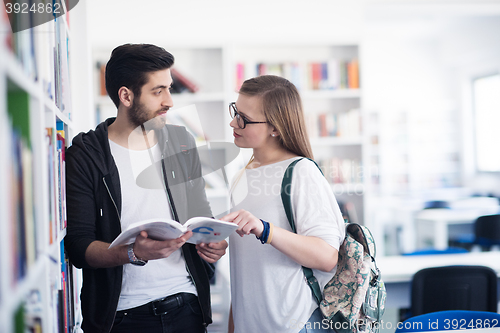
39,288
327,77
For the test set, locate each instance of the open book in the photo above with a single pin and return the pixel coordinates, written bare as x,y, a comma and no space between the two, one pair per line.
205,230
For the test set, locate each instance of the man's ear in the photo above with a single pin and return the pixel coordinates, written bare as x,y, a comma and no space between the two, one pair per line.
126,96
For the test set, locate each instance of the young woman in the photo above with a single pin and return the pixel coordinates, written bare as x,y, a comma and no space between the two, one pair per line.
268,288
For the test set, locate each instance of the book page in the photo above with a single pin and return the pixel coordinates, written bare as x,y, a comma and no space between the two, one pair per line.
159,230
207,230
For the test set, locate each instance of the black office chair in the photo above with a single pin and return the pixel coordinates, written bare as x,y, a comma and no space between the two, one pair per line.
487,231
454,288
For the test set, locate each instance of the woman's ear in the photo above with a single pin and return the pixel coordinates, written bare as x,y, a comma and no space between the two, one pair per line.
275,133
126,96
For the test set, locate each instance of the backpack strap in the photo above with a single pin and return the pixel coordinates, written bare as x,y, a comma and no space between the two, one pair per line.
286,184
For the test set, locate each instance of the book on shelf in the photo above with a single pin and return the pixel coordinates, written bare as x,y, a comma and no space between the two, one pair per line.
44,49
22,210
17,225
28,204
102,79
183,83
5,27
240,75
61,176
315,75
205,230
292,71
353,74
65,89
50,149
329,124
31,316
342,170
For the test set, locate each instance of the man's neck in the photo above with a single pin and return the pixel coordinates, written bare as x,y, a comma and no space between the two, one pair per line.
131,137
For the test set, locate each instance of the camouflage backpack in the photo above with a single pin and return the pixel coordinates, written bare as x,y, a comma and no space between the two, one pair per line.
354,299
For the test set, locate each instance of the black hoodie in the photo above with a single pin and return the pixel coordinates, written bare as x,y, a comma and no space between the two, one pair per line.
94,207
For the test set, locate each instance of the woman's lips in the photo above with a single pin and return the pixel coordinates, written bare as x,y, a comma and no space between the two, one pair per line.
236,135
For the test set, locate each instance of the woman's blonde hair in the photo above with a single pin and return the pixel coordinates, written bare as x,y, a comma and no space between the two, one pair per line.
282,108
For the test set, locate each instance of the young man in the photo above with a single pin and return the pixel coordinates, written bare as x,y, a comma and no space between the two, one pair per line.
132,168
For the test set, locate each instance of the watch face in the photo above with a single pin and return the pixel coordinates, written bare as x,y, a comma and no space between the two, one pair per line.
138,262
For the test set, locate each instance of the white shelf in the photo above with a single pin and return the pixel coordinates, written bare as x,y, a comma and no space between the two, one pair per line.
181,98
197,97
331,94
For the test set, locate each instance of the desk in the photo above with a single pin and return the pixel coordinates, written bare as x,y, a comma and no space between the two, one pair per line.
436,221
397,271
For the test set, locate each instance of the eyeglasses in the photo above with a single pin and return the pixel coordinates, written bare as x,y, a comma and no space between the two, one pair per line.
241,120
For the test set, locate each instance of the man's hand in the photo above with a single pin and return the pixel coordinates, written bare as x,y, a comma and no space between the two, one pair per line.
211,252
149,249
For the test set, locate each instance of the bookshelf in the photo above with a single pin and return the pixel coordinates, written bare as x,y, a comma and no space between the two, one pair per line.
39,288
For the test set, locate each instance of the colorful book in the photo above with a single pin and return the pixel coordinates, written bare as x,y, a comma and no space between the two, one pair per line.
184,81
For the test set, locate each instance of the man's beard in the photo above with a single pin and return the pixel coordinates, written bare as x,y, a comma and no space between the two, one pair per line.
138,115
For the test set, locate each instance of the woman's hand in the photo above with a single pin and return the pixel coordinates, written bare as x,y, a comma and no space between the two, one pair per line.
211,252
248,224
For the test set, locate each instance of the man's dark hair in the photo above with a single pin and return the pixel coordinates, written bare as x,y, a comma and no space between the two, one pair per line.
129,65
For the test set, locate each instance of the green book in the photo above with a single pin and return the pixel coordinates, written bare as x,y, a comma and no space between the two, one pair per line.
19,113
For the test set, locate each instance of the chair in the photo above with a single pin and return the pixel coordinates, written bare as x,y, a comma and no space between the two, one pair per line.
432,251
454,288
436,204
450,320
487,230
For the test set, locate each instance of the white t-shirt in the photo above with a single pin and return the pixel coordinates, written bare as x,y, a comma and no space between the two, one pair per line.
268,289
158,278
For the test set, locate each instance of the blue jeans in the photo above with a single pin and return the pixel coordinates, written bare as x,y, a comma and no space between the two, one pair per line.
315,324
185,318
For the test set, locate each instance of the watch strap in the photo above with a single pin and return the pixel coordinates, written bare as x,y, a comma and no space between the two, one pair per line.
133,259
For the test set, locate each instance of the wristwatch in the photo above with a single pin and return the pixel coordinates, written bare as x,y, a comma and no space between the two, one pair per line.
132,258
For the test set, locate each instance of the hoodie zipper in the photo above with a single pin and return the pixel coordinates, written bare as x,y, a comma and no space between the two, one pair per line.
119,218
174,213
112,200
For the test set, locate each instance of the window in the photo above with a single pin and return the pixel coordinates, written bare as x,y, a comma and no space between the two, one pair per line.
486,92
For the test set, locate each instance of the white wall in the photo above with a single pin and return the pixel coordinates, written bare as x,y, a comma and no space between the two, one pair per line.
202,22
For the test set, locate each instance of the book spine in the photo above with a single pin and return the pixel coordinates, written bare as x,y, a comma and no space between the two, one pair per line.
240,75
183,80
